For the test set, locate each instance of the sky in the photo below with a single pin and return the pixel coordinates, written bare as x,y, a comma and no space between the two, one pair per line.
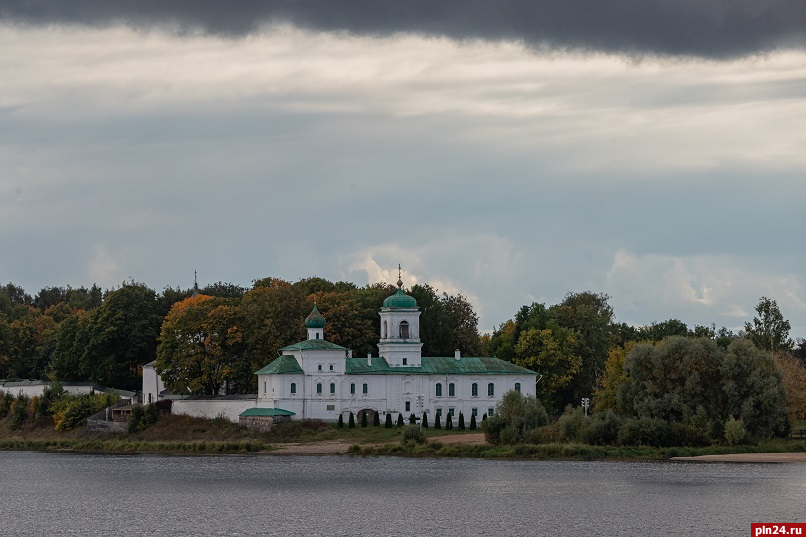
511,151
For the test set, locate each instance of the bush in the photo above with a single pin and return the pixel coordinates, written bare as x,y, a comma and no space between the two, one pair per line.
473,424
461,426
5,404
388,423
341,421
73,410
449,421
351,421
571,423
514,418
644,432
143,417
602,428
413,435
364,421
735,433
19,411
400,422
376,419
437,422
412,419
425,421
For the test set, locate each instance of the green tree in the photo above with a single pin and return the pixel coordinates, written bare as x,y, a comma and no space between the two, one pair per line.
461,426
400,421
551,352
364,420
769,331
351,421
388,423
123,335
437,423
514,419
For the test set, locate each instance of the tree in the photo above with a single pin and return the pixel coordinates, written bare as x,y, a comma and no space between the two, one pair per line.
769,330
551,353
437,423
793,375
341,421
388,423
400,421
122,335
412,419
461,426
351,422
364,421
614,375
449,421
473,424
515,417
424,423
199,343
376,419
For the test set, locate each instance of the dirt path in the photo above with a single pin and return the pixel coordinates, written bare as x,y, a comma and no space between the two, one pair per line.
472,438
746,457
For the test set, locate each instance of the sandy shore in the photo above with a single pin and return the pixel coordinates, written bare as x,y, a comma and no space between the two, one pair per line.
746,457
339,448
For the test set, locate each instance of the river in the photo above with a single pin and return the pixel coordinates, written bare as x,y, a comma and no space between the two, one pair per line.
73,494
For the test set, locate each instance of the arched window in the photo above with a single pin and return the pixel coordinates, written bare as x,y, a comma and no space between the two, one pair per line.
518,387
317,335
385,330
439,389
318,388
474,389
332,388
404,330
451,390
293,387
491,390
365,388
352,388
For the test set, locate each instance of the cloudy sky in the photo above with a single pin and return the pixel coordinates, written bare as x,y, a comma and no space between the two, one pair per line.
513,151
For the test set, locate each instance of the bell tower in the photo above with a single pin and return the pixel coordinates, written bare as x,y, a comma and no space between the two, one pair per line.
400,329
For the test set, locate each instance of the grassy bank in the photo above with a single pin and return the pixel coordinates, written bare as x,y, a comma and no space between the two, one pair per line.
581,452
186,435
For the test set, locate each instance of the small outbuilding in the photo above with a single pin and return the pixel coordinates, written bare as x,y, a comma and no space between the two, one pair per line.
263,419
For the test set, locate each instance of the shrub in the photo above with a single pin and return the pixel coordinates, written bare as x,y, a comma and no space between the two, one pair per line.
735,433
364,421
145,416
388,423
376,419
514,418
412,419
461,422
425,421
473,424
644,431
571,424
73,410
413,435
400,422
351,421
341,421
437,422
602,429
19,411
5,404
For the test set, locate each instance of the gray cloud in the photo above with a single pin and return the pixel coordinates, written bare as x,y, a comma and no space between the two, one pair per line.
700,28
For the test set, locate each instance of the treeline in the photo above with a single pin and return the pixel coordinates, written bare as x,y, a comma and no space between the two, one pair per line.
579,349
229,331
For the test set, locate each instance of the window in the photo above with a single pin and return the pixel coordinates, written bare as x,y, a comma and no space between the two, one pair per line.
352,389
451,390
490,411
264,387
149,397
319,367
385,330
474,389
451,411
332,388
408,406
439,412
518,387
491,390
474,412
439,389
365,388
331,367
293,387
405,361
404,330
331,407
318,388
317,335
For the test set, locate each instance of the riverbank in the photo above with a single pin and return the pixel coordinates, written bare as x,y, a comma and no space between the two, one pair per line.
185,435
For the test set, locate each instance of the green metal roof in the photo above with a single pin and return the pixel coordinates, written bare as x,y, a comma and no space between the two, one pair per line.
314,344
400,300
282,365
315,319
266,412
467,365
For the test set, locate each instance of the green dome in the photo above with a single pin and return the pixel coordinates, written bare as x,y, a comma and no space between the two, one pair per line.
315,319
400,300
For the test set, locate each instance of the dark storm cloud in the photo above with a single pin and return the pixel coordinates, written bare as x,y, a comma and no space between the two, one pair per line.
706,28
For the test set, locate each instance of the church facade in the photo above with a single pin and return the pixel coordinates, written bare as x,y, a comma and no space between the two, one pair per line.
317,379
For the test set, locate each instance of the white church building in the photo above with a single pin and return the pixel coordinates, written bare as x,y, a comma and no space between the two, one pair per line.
317,379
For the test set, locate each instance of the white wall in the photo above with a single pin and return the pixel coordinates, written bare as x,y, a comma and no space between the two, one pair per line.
212,408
